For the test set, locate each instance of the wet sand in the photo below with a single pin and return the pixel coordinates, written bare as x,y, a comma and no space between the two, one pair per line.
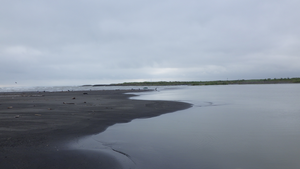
35,127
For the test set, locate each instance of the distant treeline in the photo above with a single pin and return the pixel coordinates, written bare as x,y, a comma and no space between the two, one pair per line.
217,82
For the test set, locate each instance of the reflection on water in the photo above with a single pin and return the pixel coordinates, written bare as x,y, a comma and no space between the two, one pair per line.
234,127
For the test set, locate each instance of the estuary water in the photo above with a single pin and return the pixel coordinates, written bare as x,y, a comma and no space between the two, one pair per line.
228,127
64,88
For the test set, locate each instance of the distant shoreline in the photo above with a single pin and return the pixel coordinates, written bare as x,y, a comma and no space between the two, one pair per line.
199,83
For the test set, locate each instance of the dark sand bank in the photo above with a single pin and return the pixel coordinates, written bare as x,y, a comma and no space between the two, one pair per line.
34,126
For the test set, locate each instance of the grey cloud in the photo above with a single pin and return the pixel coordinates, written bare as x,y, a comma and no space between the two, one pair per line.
102,41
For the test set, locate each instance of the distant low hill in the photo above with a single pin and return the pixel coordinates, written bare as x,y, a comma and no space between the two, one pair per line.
217,82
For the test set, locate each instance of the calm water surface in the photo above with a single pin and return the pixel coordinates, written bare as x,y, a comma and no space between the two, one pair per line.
229,127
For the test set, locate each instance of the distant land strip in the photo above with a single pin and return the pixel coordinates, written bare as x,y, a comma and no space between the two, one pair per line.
217,82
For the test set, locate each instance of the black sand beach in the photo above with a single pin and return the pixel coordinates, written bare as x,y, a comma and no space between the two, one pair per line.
36,126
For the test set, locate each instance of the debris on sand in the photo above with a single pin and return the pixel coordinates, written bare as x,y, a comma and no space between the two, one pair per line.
68,103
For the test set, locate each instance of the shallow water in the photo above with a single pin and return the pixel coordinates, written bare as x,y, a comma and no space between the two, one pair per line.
67,88
234,127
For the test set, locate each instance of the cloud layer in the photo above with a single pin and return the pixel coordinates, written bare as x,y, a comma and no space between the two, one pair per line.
80,42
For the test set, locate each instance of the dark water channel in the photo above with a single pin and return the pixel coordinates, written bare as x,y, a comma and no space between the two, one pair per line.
229,127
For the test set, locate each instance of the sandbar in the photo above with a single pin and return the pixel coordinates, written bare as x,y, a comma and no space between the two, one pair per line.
34,126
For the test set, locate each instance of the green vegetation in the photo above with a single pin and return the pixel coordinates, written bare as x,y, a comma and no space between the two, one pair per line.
218,82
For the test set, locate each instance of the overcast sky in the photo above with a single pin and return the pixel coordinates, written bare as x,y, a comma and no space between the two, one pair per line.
75,42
